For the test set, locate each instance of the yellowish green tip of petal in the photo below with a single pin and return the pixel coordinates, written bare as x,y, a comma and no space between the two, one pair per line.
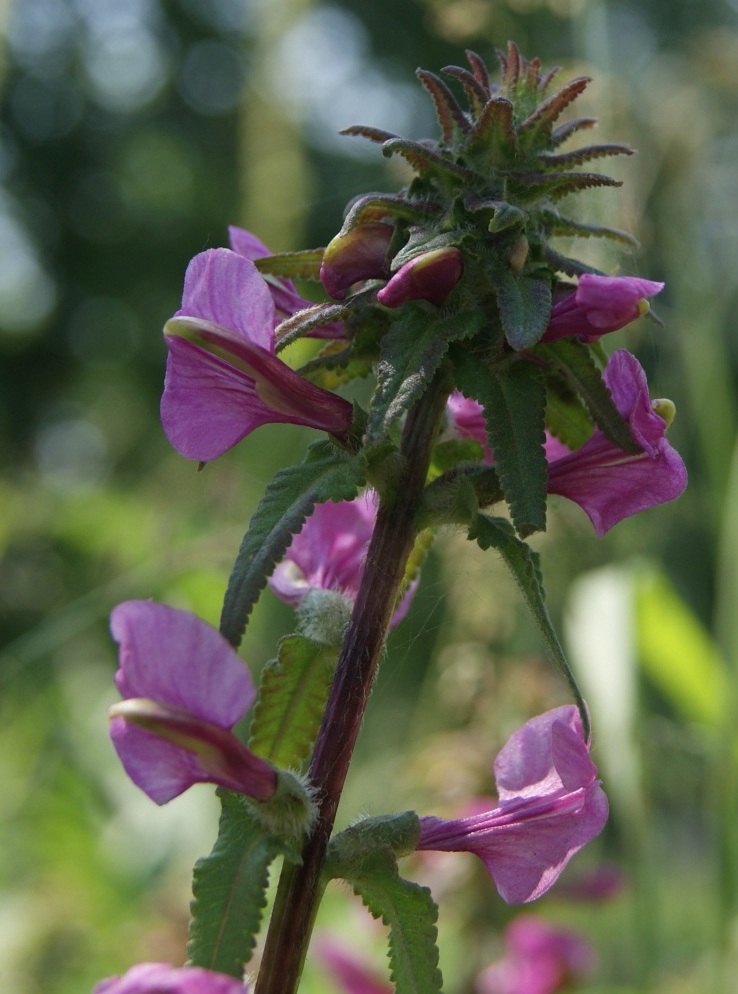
643,307
665,409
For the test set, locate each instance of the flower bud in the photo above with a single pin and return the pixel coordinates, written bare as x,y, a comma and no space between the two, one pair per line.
665,408
430,276
357,254
519,254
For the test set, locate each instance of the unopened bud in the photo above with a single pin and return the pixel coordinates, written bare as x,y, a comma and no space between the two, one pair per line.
430,276
358,254
519,254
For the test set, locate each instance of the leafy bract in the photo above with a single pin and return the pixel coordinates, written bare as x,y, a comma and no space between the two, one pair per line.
294,689
328,473
229,889
525,306
411,353
514,402
524,564
573,360
365,855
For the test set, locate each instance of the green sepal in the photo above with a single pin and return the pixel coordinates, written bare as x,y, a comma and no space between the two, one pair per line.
353,845
573,360
292,265
525,306
514,402
411,353
229,888
292,694
327,473
455,497
524,564
365,855
376,206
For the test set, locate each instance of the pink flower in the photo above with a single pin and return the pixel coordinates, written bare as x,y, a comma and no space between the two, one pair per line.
550,805
607,483
467,421
430,276
329,553
223,379
161,978
183,690
539,959
350,973
598,305
287,301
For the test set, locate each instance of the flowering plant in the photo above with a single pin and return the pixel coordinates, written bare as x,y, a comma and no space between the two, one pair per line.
490,388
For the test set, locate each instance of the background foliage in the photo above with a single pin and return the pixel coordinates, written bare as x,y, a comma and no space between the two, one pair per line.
131,136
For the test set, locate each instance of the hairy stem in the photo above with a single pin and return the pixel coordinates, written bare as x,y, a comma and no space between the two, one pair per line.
300,887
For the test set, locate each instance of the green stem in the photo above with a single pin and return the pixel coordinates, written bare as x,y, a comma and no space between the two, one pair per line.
300,887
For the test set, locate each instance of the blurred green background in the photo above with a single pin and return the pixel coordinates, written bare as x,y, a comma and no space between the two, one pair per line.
132,133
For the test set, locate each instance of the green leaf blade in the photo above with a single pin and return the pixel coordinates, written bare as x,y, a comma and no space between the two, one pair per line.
410,913
514,402
328,473
294,689
229,889
573,360
411,353
524,564
525,306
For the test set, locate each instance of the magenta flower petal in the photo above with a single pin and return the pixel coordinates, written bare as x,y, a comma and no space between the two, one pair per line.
430,276
226,289
550,805
174,659
539,959
607,483
161,978
222,378
351,974
287,301
329,554
599,304
467,419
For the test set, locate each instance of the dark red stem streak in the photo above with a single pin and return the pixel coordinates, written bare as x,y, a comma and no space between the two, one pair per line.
300,887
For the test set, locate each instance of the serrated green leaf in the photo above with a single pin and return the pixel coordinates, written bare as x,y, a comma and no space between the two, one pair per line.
292,265
410,913
573,360
411,353
514,402
328,473
524,564
525,306
229,888
566,417
292,695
